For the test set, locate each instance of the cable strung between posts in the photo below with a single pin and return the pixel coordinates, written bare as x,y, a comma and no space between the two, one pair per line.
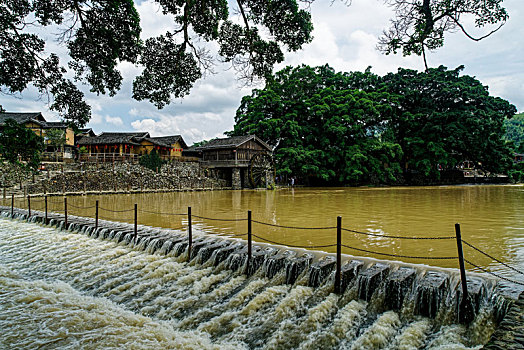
399,237
493,274
237,235
116,211
107,219
204,218
296,246
403,256
159,213
74,206
295,227
37,200
491,257
54,202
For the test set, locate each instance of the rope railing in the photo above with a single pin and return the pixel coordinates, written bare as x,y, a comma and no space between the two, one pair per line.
37,200
294,227
491,257
81,207
116,211
402,256
160,213
235,235
494,274
396,237
296,246
106,218
215,219
339,229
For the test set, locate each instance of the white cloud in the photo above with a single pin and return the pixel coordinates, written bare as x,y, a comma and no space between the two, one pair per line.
114,120
344,37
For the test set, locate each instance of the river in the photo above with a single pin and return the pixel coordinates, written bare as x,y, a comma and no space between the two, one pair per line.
491,218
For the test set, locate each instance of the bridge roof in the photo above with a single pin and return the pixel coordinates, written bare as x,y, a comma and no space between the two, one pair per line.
231,142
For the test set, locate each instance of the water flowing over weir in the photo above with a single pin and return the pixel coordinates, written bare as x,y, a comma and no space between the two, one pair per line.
101,288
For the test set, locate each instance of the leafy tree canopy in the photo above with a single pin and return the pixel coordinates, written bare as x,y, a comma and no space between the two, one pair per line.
421,25
359,127
99,34
56,137
18,142
151,160
515,131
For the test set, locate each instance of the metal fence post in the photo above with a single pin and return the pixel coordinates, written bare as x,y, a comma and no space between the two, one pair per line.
189,234
96,216
249,241
12,204
339,255
136,222
466,313
45,201
65,212
29,206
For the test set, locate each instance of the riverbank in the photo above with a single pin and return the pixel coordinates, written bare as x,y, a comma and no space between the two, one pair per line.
85,179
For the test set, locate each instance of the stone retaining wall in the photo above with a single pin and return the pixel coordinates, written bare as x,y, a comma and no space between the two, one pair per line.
128,176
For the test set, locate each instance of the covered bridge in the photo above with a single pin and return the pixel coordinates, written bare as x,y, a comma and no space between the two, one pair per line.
246,160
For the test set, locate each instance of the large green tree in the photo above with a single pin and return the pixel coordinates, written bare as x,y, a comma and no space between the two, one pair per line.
515,131
442,117
359,127
20,143
323,127
99,34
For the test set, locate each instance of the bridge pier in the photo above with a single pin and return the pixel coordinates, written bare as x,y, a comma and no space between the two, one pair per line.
236,181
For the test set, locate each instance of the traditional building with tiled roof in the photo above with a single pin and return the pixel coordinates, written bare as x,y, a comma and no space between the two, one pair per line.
239,148
36,122
132,145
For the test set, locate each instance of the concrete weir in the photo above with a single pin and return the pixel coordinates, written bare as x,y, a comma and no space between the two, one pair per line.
429,292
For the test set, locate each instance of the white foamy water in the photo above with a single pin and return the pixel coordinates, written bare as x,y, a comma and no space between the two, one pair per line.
65,290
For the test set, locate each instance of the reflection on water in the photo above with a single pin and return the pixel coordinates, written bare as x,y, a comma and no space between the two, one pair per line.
491,217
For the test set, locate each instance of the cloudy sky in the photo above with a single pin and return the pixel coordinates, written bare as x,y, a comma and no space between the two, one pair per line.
345,37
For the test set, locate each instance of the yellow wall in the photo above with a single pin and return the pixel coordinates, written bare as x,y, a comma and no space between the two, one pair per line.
176,150
145,147
70,137
37,129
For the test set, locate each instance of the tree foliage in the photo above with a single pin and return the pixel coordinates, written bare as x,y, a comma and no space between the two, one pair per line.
151,161
100,34
515,131
362,128
442,117
18,142
422,24
56,137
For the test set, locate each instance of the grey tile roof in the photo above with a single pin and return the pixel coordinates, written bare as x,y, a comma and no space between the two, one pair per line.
86,131
55,125
22,117
106,138
231,142
167,141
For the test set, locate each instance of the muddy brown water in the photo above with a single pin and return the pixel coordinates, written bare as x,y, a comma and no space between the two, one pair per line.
491,218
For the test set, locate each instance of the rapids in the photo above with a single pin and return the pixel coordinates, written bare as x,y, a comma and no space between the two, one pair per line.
63,289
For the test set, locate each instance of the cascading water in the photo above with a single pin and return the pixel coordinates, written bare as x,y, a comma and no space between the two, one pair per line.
63,289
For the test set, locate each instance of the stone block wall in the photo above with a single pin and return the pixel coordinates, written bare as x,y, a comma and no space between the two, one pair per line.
128,176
